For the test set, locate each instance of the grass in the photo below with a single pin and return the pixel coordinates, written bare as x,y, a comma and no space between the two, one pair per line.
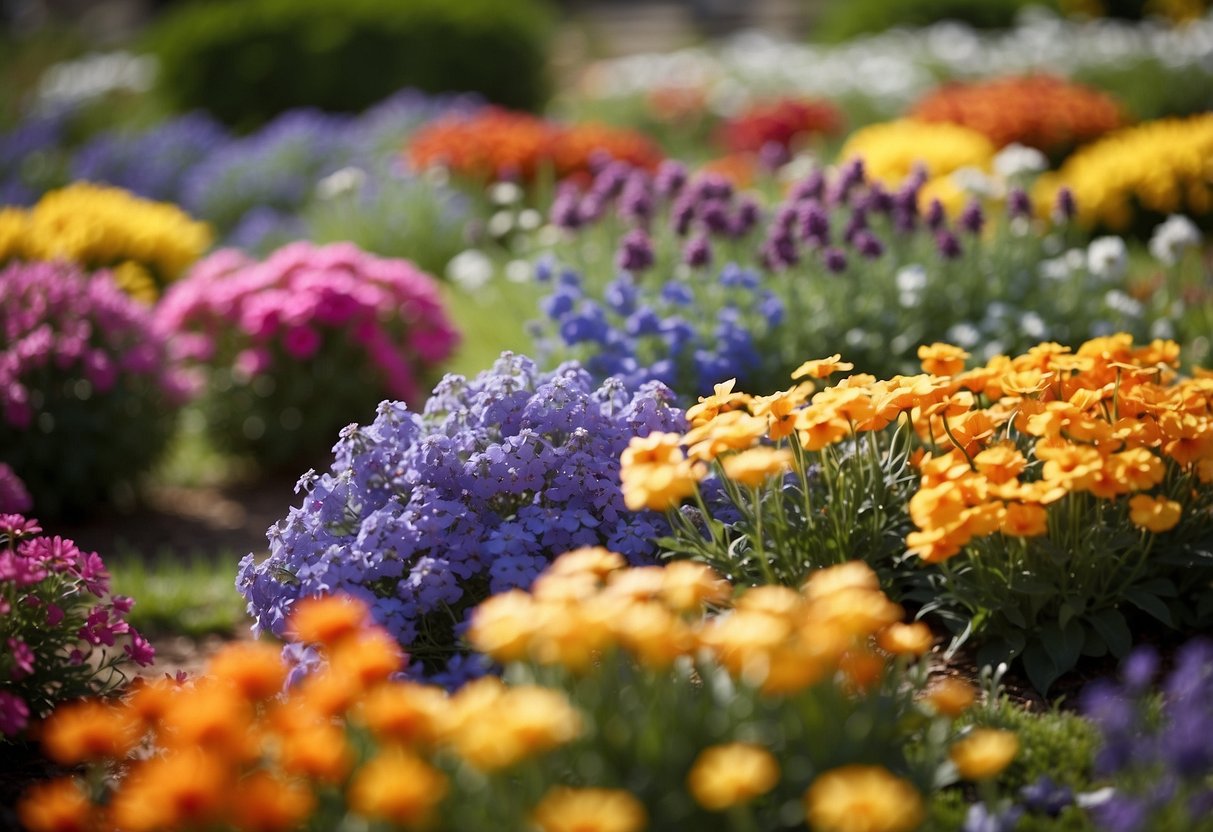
192,597
492,318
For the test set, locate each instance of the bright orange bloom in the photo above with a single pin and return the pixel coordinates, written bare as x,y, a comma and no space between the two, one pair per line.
822,367
328,619
906,639
950,696
404,713
254,668
942,359
754,466
654,473
564,809
728,775
860,798
984,753
89,731
55,806
1155,514
262,802
1025,520
186,788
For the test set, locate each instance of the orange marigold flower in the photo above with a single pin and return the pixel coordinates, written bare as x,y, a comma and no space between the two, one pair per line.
595,560
654,474
950,696
728,775
397,787
1155,514
564,809
367,657
906,639
686,586
89,731
318,751
262,802
1025,520
55,806
183,789
822,367
327,619
1000,463
502,626
860,798
942,359
254,668
524,721
404,712
984,753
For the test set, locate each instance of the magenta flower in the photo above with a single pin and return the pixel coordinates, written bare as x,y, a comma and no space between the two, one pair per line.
22,658
14,714
140,650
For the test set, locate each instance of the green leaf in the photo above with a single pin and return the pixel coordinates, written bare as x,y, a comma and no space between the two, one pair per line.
1113,629
1148,603
1063,644
1162,587
1039,666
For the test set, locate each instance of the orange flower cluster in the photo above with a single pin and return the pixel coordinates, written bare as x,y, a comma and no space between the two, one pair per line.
1110,419
783,122
496,144
1042,111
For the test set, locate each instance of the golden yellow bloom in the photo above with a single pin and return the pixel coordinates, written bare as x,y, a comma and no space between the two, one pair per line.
732,431
318,751
1155,514
525,721
854,574
984,753
262,802
950,696
722,400
149,244
503,624
404,712
686,586
1000,463
55,806
1138,469
754,466
822,367
564,809
653,634
727,775
595,560
942,359
1025,520
654,474
892,150
397,787
906,639
859,798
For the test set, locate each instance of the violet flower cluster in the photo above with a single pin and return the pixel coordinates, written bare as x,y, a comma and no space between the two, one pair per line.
64,635
853,266
14,496
87,386
308,340
424,515
1158,758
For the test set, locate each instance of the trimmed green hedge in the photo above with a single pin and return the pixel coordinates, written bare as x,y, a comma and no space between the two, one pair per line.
247,60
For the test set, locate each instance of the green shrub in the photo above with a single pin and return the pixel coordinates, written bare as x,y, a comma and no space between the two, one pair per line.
843,19
246,60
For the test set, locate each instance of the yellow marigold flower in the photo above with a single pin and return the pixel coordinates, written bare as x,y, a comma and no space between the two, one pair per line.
1204,470
776,600
686,586
823,583
1025,520
860,798
263,802
653,634
861,669
405,713
950,696
780,409
754,466
326,693
595,560
524,721
564,809
318,751
818,428
55,806
1000,463
732,431
892,150
212,715
906,639
327,619
502,626
1155,514
942,359
654,474
984,753
1138,469
253,668
727,775
861,612
397,787
722,400
89,731
822,367
1158,166
1026,382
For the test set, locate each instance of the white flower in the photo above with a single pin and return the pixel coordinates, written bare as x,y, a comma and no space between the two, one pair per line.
1172,237
1107,258
911,278
505,193
344,181
976,182
1016,159
470,269
1118,300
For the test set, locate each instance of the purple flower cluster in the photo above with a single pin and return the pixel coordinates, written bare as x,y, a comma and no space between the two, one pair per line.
59,625
424,515
153,163
87,388
318,313
1160,764
31,158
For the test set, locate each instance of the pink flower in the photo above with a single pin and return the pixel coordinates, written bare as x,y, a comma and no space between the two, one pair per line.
54,614
23,659
252,361
14,714
301,342
98,629
140,650
100,371
14,497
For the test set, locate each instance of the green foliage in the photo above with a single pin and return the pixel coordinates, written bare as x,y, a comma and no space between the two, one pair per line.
246,60
845,19
1150,89
192,596
1057,743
